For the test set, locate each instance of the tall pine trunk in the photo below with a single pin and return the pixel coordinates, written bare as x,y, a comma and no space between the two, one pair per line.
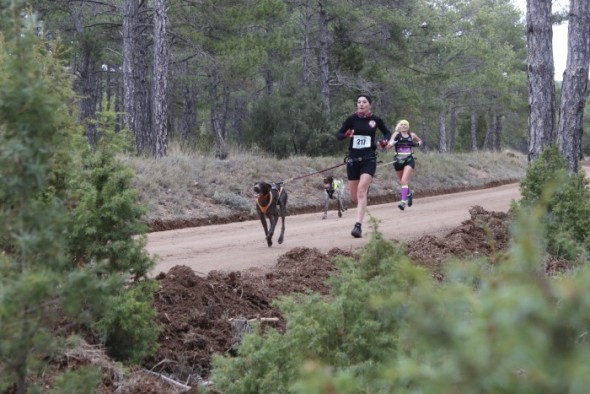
473,129
160,85
498,133
323,38
452,128
306,46
575,83
129,44
90,94
488,141
189,111
442,132
540,77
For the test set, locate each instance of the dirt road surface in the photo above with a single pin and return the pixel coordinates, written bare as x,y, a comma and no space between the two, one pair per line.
242,246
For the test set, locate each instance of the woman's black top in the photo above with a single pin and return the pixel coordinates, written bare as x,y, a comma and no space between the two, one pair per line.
403,145
363,143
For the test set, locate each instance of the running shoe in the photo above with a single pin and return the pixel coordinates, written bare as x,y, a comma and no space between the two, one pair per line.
356,231
402,205
410,202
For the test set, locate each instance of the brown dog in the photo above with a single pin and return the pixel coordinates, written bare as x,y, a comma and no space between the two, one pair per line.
271,203
333,190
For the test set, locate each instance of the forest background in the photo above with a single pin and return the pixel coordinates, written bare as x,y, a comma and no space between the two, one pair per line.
84,83
281,75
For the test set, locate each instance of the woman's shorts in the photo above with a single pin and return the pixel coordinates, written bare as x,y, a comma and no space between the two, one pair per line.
400,164
355,168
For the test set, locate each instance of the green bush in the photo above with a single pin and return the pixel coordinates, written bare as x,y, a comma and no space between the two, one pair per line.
83,380
387,327
106,224
345,330
127,324
549,168
37,135
60,222
568,226
567,196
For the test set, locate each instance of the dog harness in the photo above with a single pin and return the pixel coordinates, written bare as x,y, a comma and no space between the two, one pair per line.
264,208
336,185
260,199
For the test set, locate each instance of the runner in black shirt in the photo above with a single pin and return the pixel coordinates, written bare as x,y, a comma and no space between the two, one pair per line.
361,128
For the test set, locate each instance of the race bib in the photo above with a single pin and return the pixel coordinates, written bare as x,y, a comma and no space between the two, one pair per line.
361,141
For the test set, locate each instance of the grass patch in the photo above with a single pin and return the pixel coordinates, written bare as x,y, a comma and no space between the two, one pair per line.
186,185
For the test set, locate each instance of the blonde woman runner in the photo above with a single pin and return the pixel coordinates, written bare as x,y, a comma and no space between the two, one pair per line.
403,140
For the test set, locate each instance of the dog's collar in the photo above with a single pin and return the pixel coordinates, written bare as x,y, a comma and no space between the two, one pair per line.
264,208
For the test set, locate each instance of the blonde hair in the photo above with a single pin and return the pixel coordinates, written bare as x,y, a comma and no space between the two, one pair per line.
402,123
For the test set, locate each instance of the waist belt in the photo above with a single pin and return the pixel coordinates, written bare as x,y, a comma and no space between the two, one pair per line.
351,160
403,158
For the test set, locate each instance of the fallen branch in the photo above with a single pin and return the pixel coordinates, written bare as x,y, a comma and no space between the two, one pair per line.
169,380
264,319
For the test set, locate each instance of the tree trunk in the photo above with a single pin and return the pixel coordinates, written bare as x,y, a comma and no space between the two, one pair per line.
473,130
498,134
540,73
306,46
217,117
216,124
238,115
452,129
160,95
135,73
119,102
442,134
323,41
575,83
88,104
488,142
189,111
142,116
88,69
268,73
129,44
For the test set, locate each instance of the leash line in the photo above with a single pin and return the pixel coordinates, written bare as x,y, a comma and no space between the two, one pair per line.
313,173
384,164
327,169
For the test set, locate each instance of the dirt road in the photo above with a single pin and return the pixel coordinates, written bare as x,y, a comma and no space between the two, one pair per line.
241,246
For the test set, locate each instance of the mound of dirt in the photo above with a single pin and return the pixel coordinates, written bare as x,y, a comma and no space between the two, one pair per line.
484,234
201,316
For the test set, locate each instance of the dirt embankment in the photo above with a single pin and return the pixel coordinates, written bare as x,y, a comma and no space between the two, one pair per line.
314,205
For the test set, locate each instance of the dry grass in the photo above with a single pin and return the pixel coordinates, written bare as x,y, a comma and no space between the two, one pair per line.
185,186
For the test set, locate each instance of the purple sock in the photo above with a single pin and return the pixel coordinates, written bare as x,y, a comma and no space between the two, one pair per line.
405,191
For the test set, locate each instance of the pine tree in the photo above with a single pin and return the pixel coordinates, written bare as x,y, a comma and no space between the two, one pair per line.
41,151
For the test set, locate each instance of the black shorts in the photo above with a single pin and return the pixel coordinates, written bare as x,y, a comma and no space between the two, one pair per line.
400,164
355,168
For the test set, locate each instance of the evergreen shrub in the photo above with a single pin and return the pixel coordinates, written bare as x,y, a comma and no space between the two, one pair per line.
388,327
127,324
567,221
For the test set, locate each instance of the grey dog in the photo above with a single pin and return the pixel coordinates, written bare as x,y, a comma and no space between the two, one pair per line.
333,190
271,203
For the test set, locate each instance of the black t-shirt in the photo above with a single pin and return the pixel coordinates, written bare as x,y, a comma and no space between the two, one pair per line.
403,144
363,142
